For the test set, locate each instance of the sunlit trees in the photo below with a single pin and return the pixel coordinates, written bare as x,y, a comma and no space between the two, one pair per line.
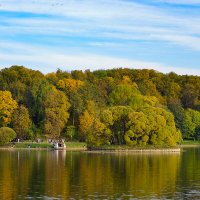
117,106
70,84
56,113
87,119
94,131
71,88
6,135
7,107
124,94
99,134
20,81
152,126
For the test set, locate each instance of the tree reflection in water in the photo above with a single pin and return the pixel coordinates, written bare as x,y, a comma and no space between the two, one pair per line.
76,175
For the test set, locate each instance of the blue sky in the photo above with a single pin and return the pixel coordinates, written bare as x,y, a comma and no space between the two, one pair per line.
101,34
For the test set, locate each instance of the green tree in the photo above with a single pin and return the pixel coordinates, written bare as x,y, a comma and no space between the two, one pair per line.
191,123
190,94
138,127
178,112
40,97
87,119
78,75
152,126
115,118
70,132
118,123
92,129
56,108
98,134
125,94
71,88
21,122
6,135
19,81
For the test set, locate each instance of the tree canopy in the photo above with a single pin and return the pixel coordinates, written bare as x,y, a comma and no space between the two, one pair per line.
6,135
117,106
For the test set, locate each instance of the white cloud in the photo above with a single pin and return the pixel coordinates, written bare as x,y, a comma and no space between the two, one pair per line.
107,24
48,60
185,2
103,19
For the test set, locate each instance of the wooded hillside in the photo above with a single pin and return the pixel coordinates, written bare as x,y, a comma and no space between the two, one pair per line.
118,106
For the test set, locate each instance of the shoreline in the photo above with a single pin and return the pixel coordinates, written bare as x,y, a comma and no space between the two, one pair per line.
85,150
152,149
189,145
161,150
39,148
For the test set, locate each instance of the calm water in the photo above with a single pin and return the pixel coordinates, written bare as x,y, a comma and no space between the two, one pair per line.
31,174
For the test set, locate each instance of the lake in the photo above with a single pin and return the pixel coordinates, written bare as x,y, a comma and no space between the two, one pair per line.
46,174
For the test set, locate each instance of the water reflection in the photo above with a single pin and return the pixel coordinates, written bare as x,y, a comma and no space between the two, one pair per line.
64,175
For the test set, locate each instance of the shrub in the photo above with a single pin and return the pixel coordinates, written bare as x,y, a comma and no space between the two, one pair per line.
6,135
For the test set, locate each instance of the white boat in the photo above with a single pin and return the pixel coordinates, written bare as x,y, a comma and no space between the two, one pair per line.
59,146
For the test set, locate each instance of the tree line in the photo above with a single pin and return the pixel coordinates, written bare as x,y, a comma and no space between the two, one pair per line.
104,107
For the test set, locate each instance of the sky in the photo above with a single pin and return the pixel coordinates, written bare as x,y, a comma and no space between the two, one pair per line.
45,35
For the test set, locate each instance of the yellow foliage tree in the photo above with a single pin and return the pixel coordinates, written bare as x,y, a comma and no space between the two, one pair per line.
56,116
7,107
86,121
92,128
70,84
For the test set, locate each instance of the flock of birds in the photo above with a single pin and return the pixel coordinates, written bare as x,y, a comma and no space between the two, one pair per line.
52,4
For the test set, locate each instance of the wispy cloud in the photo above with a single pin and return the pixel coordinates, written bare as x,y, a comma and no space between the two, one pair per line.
181,2
118,19
36,56
89,26
83,61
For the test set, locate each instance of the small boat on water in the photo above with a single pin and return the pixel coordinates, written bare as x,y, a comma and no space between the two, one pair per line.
59,145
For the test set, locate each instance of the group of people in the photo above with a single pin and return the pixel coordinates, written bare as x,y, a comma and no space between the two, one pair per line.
59,143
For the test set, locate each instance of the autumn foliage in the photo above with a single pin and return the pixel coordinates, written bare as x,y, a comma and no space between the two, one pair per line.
104,107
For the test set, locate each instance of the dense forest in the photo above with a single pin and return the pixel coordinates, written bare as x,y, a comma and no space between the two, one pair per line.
104,107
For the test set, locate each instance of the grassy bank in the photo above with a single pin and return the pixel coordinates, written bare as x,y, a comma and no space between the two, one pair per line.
32,145
190,142
83,146
76,144
44,145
